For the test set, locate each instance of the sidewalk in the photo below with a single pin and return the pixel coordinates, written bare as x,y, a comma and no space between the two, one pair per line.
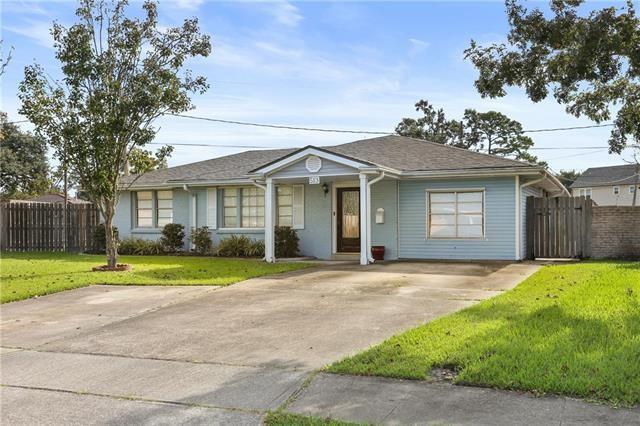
389,401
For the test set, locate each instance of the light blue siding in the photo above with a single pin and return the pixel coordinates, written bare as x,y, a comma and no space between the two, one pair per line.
384,194
329,168
315,238
499,239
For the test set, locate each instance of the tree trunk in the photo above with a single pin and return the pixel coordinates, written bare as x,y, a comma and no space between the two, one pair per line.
112,244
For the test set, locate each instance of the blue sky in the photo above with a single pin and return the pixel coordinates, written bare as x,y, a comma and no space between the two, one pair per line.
353,65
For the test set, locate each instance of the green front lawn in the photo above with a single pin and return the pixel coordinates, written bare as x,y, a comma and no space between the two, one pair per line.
278,418
24,275
569,329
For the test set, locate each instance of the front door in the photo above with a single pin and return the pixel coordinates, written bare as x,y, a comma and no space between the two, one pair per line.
348,220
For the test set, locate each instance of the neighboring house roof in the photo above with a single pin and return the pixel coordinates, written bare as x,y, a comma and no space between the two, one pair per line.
607,176
399,153
52,198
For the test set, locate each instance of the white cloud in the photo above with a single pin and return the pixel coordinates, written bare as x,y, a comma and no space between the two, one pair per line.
35,30
417,46
188,4
285,13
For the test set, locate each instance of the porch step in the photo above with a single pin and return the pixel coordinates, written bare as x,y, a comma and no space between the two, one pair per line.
346,256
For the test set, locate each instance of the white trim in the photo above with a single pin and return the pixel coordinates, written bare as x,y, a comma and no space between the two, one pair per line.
518,218
369,235
194,215
304,153
269,232
364,215
334,210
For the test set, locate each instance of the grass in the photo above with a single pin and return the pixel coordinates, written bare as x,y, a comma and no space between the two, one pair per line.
25,275
279,418
569,329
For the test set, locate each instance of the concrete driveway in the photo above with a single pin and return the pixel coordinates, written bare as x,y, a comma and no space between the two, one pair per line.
215,355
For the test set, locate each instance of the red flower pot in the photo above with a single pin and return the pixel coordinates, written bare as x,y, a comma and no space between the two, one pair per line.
377,252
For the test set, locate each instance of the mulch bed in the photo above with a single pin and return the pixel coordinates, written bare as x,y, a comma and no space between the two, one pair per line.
118,268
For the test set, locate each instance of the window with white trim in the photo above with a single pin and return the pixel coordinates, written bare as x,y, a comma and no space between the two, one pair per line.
632,189
243,207
164,208
144,209
584,192
455,214
616,190
290,206
252,207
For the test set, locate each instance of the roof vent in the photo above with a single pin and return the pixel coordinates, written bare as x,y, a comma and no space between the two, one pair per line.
314,164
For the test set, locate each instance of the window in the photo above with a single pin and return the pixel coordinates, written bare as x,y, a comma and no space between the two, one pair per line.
252,207
144,209
290,206
616,190
164,208
230,203
456,214
243,207
584,192
632,189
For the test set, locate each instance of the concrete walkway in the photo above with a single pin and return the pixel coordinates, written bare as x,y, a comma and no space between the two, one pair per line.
388,401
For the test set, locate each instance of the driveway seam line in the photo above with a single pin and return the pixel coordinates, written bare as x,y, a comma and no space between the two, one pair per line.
135,398
223,364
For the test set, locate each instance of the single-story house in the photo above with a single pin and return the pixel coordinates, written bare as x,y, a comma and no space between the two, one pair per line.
608,186
418,199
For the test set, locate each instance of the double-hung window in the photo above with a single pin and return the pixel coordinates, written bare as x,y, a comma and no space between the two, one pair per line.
243,207
144,209
148,202
455,214
290,205
584,192
230,203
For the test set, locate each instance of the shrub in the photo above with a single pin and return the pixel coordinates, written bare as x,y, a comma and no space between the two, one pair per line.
201,239
234,246
286,241
172,237
140,247
100,238
256,249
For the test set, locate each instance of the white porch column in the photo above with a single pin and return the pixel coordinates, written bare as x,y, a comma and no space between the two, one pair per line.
364,215
269,223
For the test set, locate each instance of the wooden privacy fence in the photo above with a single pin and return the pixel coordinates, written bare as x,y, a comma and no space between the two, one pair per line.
42,227
558,227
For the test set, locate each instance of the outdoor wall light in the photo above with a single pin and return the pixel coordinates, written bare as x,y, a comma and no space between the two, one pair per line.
325,189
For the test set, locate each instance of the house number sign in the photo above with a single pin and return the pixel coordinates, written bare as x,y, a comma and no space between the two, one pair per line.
314,180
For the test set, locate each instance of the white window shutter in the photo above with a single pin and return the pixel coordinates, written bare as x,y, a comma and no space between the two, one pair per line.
212,204
298,206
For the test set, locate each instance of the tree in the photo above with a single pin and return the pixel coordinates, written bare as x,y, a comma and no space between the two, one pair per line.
590,63
142,161
491,132
120,75
5,61
23,162
568,176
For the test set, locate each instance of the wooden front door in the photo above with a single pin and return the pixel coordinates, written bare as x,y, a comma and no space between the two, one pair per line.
348,220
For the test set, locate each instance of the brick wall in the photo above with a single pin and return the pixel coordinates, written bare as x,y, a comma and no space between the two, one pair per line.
615,232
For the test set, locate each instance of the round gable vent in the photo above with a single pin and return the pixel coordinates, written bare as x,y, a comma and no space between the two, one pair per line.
314,164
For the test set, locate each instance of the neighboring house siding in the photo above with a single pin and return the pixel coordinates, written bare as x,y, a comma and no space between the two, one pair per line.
499,215
604,196
315,238
527,191
384,194
329,168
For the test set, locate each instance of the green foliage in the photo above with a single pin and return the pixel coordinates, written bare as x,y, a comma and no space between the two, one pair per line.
120,74
201,239
280,418
491,132
24,275
172,237
286,243
567,177
23,162
142,161
140,247
590,63
569,329
240,246
100,238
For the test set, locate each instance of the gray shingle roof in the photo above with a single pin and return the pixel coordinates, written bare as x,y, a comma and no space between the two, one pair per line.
395,152
606,176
